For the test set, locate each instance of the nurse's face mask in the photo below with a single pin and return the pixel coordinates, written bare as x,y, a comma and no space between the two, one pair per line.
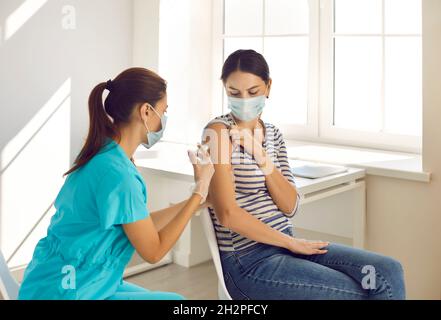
153,137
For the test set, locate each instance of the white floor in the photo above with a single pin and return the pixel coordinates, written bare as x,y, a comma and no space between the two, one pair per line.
195,283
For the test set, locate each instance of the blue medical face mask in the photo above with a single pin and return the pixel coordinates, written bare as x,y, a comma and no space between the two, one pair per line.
153,137
246,109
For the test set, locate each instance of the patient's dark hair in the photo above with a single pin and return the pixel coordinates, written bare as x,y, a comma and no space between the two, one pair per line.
128,90
246,61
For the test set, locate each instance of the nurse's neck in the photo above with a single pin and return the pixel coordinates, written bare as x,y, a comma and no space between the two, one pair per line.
129,141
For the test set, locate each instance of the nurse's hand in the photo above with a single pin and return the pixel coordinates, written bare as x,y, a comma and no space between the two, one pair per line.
203,171
206,204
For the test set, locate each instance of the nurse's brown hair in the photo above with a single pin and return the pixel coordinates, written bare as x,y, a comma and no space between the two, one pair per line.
129,89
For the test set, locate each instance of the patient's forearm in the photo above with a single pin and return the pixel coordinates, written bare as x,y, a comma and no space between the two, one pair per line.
282,191
242,222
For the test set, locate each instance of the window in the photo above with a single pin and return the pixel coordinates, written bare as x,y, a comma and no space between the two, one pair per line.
281,30
344,71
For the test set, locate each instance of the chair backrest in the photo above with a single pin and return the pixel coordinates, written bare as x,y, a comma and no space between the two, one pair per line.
8,286
212,243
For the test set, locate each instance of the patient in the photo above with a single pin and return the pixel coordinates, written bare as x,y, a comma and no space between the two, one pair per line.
253,196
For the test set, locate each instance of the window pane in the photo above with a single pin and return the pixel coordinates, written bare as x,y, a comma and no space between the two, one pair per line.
358,16
233,44
288,61
243,17
403,85
358,75
403,16
286,16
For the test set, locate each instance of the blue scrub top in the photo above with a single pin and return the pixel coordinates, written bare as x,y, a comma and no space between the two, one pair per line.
86,250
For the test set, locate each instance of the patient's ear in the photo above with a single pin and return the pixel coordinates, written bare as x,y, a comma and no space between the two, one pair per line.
270,82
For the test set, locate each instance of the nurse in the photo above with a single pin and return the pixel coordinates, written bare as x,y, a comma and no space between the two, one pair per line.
101,211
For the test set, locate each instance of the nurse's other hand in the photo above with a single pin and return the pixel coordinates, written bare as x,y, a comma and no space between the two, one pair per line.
203,171
206,204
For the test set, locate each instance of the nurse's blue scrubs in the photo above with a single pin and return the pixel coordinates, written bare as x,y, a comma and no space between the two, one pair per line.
86,250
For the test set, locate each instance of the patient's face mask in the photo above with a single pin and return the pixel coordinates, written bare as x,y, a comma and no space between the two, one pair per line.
246,109
153,137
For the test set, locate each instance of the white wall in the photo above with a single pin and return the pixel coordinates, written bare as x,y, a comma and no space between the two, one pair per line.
404,217
185,61
146,33
47,73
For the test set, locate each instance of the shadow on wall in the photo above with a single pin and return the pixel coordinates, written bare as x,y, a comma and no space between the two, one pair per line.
45,46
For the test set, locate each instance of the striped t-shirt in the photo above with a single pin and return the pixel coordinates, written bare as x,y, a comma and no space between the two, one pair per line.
251,191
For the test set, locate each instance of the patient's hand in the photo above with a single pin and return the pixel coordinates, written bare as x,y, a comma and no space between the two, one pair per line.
307,247
252,144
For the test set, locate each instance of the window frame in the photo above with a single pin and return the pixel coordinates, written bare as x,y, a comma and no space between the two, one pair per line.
298,131
320,109
327,131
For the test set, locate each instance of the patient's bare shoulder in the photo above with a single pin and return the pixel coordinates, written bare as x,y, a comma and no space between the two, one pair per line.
216,136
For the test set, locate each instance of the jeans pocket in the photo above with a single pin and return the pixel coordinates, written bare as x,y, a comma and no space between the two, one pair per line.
235,292
258,247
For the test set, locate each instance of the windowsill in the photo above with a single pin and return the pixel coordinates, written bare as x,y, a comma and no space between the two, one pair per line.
405,166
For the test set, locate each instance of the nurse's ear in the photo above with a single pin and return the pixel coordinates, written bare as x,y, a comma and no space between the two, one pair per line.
144,112
270,82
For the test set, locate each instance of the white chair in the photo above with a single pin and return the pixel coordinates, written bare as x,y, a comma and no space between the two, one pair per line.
212,243
8,286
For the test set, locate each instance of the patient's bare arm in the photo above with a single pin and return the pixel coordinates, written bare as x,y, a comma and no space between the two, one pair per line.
222,195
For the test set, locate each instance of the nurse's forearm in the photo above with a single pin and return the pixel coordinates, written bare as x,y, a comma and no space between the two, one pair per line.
171,232
162,217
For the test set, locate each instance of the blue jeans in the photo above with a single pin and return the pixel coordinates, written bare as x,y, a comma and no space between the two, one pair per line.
265,272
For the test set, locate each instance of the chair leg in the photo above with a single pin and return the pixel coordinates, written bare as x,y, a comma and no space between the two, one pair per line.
221,293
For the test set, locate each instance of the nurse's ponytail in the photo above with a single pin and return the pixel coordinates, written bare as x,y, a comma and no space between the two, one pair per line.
100,127
132,87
